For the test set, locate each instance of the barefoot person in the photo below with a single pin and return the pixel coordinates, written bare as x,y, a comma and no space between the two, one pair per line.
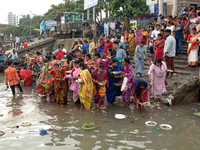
169,51
12,77
140,92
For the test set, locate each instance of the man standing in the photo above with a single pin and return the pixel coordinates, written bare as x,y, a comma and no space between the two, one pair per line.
2,36
13,56
85,45
170,27
11,37
100,44
27,58
60,53
12,77
179,37
120,44
107,44
155,32
43,52
91,48
117,26
63,48
106,28
112,27
169,51
120,53
17,39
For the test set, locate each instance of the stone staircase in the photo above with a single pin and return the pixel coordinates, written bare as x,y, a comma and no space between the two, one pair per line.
179,62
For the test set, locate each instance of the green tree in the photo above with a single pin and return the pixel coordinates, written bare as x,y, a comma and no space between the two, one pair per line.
128,8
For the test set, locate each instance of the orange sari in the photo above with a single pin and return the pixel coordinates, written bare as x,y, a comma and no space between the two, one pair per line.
145,38
194,44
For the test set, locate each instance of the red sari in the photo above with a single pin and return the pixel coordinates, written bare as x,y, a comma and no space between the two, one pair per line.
159,48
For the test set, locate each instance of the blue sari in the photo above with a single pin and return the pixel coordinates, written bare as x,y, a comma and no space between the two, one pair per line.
113,90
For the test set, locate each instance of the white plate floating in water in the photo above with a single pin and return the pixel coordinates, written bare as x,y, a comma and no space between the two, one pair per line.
2,133
165,127
26,124
151,123
120,116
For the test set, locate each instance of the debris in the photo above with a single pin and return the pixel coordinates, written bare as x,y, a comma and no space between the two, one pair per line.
135,118
197,114
43,132
137,131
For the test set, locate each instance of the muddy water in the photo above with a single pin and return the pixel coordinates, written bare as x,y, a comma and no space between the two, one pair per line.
112,134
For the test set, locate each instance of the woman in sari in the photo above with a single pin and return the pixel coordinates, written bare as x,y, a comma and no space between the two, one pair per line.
45,83
75,86
159,45
39,58
106,61
90,63
138,36
193,48
145,36
99,79
98,59
192,23
140,56
129,73
131,41
185,29
157,73
60,85
112,91
54,60
140,92
86,86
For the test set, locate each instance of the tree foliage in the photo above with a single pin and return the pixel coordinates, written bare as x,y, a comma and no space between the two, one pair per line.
128,8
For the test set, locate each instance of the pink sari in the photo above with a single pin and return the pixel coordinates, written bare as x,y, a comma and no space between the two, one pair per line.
75,86
130,75
138,37
158,79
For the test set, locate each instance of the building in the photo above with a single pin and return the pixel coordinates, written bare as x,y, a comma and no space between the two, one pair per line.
12,19
181,5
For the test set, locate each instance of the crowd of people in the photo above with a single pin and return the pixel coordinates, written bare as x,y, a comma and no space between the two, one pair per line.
95,71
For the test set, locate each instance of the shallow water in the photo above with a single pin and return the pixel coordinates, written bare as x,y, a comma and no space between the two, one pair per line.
112,134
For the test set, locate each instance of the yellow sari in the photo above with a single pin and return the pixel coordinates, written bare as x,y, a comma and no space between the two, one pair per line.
132,42
145,33
86,89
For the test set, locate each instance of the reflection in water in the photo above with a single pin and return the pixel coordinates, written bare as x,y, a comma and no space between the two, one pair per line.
112,134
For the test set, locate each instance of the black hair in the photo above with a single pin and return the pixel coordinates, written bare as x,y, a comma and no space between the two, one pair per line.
54,57
77,50
84,66
158,60
97,54
127,60
80,59
56,64
74,51
155,19
194,29
34,62
162,30
118,37
138,90
38,53
69,57
84,52
115,42
48,57
28,51
50,53
198,13
81,42
160,35
90,38
169,22
101,65
152,27
22,65
142,42
45,60
110,49
88,55
76,61
62,44
108,37
168,30
114,60
75,42
157,25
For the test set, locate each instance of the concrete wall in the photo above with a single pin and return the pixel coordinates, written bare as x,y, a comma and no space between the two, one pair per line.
68,43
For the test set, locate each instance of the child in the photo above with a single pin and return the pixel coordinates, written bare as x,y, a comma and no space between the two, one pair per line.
99,79
151,46
127,48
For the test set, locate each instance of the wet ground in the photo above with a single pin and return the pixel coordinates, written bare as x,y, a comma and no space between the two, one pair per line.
112,134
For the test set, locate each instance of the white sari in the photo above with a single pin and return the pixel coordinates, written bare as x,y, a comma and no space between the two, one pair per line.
193,56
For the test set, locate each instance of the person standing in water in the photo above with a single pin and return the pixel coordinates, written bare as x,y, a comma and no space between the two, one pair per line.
12,77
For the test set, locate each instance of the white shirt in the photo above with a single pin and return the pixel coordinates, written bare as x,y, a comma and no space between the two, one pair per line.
112,25
155,34
170,28
170,46
13,56
17,39
64,50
